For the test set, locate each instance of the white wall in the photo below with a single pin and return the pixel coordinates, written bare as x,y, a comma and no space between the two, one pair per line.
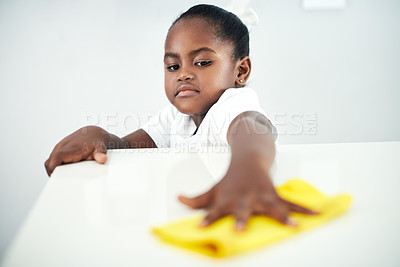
66,63
342,65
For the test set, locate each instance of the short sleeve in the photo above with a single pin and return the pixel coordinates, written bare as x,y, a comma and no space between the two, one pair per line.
159,126
231,104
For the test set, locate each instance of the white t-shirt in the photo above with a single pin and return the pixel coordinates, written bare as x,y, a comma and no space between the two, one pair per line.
171,128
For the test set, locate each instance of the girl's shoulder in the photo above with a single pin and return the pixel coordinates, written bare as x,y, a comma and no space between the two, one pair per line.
237,97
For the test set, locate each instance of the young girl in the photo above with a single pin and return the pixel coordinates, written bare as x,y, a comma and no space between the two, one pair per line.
207,65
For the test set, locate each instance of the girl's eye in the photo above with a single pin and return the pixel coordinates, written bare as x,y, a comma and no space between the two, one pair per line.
203,63
173,67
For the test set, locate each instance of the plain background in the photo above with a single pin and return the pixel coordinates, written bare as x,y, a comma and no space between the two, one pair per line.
324,76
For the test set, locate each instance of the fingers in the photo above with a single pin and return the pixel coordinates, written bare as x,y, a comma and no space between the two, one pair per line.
85,143
60,157
244,207
99,153
299,209
214,214
73,153
242,214
276,209
100,157
50,165
280,211
200,201
281,214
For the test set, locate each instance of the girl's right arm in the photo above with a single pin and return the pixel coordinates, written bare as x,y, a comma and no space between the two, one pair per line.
91,143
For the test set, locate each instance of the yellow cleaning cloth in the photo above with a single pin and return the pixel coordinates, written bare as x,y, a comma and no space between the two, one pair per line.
221,240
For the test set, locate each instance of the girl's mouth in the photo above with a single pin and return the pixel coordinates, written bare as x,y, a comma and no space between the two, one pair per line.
186,90
186,93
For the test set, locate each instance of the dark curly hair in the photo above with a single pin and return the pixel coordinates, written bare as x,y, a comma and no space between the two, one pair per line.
228,27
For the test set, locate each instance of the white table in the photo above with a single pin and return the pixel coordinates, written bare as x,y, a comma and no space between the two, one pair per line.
101,215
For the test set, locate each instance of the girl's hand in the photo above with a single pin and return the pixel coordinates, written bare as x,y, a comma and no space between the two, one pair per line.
87,143
246,189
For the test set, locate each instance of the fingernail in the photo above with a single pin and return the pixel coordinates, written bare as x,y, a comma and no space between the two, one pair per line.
240,226
290,223
203,223
100,157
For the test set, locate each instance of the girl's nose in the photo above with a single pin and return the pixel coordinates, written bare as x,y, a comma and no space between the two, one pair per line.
185,76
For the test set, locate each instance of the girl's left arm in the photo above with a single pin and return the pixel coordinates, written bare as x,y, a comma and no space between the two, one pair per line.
246,188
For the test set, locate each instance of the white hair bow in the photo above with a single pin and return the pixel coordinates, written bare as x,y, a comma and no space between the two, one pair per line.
247,15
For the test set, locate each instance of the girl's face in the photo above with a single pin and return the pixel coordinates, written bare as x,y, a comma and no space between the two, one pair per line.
198,67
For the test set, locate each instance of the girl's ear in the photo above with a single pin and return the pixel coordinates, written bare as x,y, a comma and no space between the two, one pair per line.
243,69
